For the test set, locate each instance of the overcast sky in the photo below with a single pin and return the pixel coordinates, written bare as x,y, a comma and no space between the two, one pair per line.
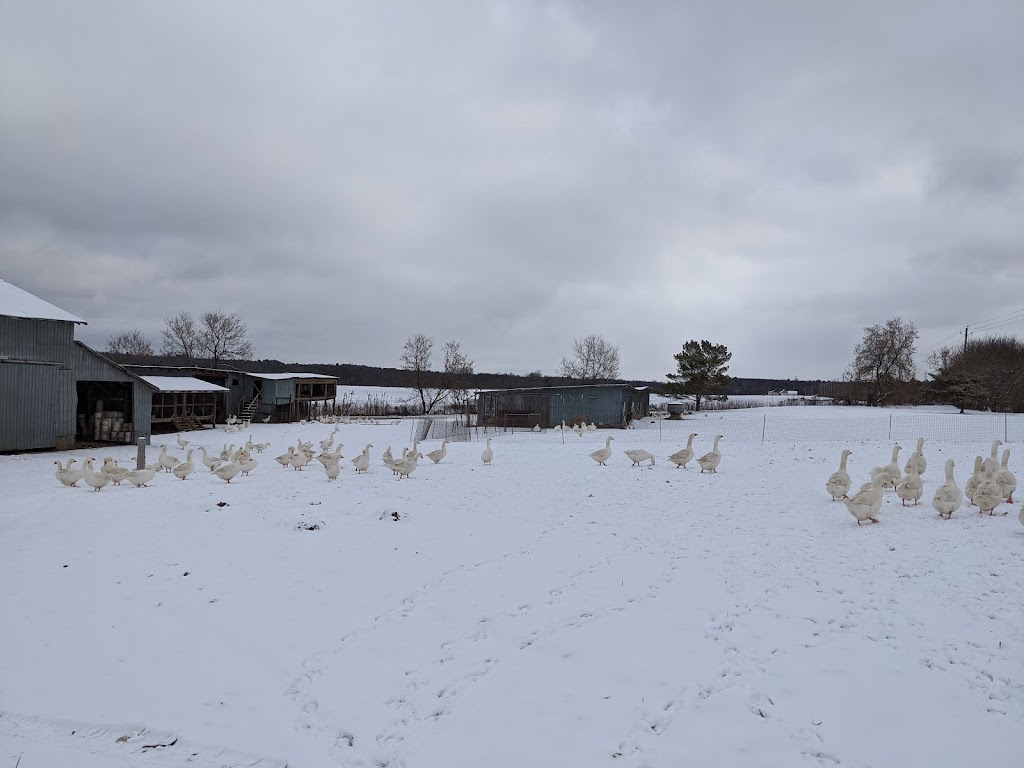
773,176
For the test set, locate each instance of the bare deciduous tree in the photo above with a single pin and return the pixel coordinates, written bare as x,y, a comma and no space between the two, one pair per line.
457,369
416,358
223,337
884,359
133,342
181,336
436,388
593,358
215,337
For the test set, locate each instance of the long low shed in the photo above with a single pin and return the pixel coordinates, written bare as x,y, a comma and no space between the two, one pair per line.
606,405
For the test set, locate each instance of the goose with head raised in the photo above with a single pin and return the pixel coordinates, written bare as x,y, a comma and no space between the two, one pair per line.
166,460
408,465
917,457
639,455
974,480
710,461
246,463
889,475
440,453
838,484
183,444
987,497
601,455
867,502
186,468
97,480
992,461
1006,480
948,497
684,456
488,454
69,475
362,461
911,487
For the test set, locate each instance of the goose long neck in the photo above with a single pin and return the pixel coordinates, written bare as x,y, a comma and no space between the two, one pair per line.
995,450
1006,459
689,442
895,453
714,448
977,466
949,471
842,461
920,444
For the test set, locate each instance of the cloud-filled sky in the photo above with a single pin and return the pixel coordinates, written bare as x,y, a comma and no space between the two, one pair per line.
771,176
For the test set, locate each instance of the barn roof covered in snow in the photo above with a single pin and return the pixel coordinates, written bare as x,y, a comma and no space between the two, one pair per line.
182,384
15,302
289,375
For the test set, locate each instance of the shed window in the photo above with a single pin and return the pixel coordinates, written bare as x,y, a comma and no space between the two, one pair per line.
234,382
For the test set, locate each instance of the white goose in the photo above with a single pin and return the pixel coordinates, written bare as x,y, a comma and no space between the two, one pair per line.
992,461
838,484
911,487
1006,480
285,459
115,473
408,465
974,480
987,497
261,447
183,444
69,475
362,461
139,477
246,464
332,469
867,502
186,468
890,474
601,455
440,453
682,457
948,497
488,455
639,455
166,460
710,461
211,462
227,472
919,453
95,479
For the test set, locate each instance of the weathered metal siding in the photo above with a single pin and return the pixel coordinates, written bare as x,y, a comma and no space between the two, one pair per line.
89,367
43,340
37,406
605,406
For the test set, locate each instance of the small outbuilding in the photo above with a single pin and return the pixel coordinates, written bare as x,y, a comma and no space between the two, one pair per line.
289,396
606,405
182,403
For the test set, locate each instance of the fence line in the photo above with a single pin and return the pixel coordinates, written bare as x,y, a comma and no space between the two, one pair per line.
902,428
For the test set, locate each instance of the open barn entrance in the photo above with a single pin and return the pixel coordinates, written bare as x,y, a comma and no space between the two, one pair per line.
105,412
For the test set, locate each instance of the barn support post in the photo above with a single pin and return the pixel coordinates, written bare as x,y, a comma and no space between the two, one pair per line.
140,456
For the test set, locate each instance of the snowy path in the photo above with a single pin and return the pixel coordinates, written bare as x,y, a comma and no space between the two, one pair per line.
543,611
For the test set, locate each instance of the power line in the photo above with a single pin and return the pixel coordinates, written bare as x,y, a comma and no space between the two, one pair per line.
990,324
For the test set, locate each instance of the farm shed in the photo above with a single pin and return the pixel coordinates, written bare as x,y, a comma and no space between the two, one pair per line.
607,405
112,403
183,402
233,385
289,396
37,383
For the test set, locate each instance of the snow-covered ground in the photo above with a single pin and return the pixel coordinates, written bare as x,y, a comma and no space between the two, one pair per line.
542,611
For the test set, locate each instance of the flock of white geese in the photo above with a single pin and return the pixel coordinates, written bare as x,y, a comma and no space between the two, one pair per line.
991,485
231,462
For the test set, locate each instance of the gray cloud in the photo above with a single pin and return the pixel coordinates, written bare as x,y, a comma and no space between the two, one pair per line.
770,176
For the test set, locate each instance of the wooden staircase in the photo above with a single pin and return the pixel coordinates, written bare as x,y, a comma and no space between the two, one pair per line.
249,410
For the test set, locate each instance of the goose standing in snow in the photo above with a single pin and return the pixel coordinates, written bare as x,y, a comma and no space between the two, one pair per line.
987,497
838,484
440,453
993,460
186,468
911,487
166,460
332,469
69,475
246,464
139,477
408,465
183,444
115,473
211,462
948,497
890,474
974,480
227,472
639,455
601,455
261,447
919,460
710,461
867,502
1006,480
682,457
285,459
488,455
362,461
95,479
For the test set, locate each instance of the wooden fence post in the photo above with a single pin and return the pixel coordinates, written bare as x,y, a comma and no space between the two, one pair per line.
140,458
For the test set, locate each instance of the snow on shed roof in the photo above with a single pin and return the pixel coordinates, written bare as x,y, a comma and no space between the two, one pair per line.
14,302
290,375
182,384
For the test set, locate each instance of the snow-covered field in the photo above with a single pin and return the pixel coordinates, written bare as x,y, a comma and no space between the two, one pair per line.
542,611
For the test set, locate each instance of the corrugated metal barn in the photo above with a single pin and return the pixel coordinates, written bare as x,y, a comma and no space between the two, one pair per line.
54,390
606,405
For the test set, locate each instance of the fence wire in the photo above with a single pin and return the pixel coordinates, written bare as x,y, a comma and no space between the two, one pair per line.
903,428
